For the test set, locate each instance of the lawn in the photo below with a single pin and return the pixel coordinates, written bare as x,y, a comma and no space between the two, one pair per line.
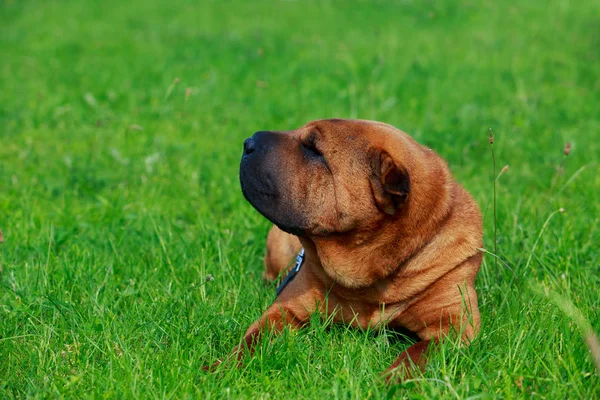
131,259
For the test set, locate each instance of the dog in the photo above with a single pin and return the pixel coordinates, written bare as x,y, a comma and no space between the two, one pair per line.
389,238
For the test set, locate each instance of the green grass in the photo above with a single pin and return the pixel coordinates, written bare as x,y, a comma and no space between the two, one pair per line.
119,193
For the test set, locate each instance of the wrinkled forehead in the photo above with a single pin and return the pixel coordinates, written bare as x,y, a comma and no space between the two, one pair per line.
351,129
337,126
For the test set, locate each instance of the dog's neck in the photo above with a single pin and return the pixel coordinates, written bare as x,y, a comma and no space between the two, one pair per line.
359,259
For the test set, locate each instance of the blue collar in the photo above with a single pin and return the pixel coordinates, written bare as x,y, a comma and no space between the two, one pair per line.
292,274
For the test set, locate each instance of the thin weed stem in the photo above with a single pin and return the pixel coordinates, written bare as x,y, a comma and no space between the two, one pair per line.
491,139
560,210
571,311
171,88
566,152
496,257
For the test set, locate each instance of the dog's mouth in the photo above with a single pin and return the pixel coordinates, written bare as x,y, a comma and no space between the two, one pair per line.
260,191
265,195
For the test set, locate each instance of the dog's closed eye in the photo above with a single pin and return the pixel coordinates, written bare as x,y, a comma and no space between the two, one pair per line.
310,147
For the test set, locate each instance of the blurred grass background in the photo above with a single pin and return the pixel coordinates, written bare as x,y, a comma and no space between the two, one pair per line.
121,128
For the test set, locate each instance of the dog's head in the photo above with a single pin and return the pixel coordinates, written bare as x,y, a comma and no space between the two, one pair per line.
341,179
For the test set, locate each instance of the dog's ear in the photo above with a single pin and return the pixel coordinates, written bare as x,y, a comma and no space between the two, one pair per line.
390,183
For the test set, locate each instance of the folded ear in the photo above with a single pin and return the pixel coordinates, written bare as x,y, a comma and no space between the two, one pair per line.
390,183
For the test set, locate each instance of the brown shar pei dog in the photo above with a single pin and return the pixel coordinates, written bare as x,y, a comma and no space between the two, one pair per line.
390,238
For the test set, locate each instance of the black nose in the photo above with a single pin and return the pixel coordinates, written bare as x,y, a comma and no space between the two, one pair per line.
259,141
249,145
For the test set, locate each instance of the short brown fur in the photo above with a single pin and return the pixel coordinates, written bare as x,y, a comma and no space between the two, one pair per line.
390,238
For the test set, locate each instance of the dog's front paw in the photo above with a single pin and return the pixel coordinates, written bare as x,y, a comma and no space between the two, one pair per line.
212,368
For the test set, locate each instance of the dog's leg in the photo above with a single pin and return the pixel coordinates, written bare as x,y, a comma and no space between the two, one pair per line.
410,361
282,248
275,319
450,303
293,308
